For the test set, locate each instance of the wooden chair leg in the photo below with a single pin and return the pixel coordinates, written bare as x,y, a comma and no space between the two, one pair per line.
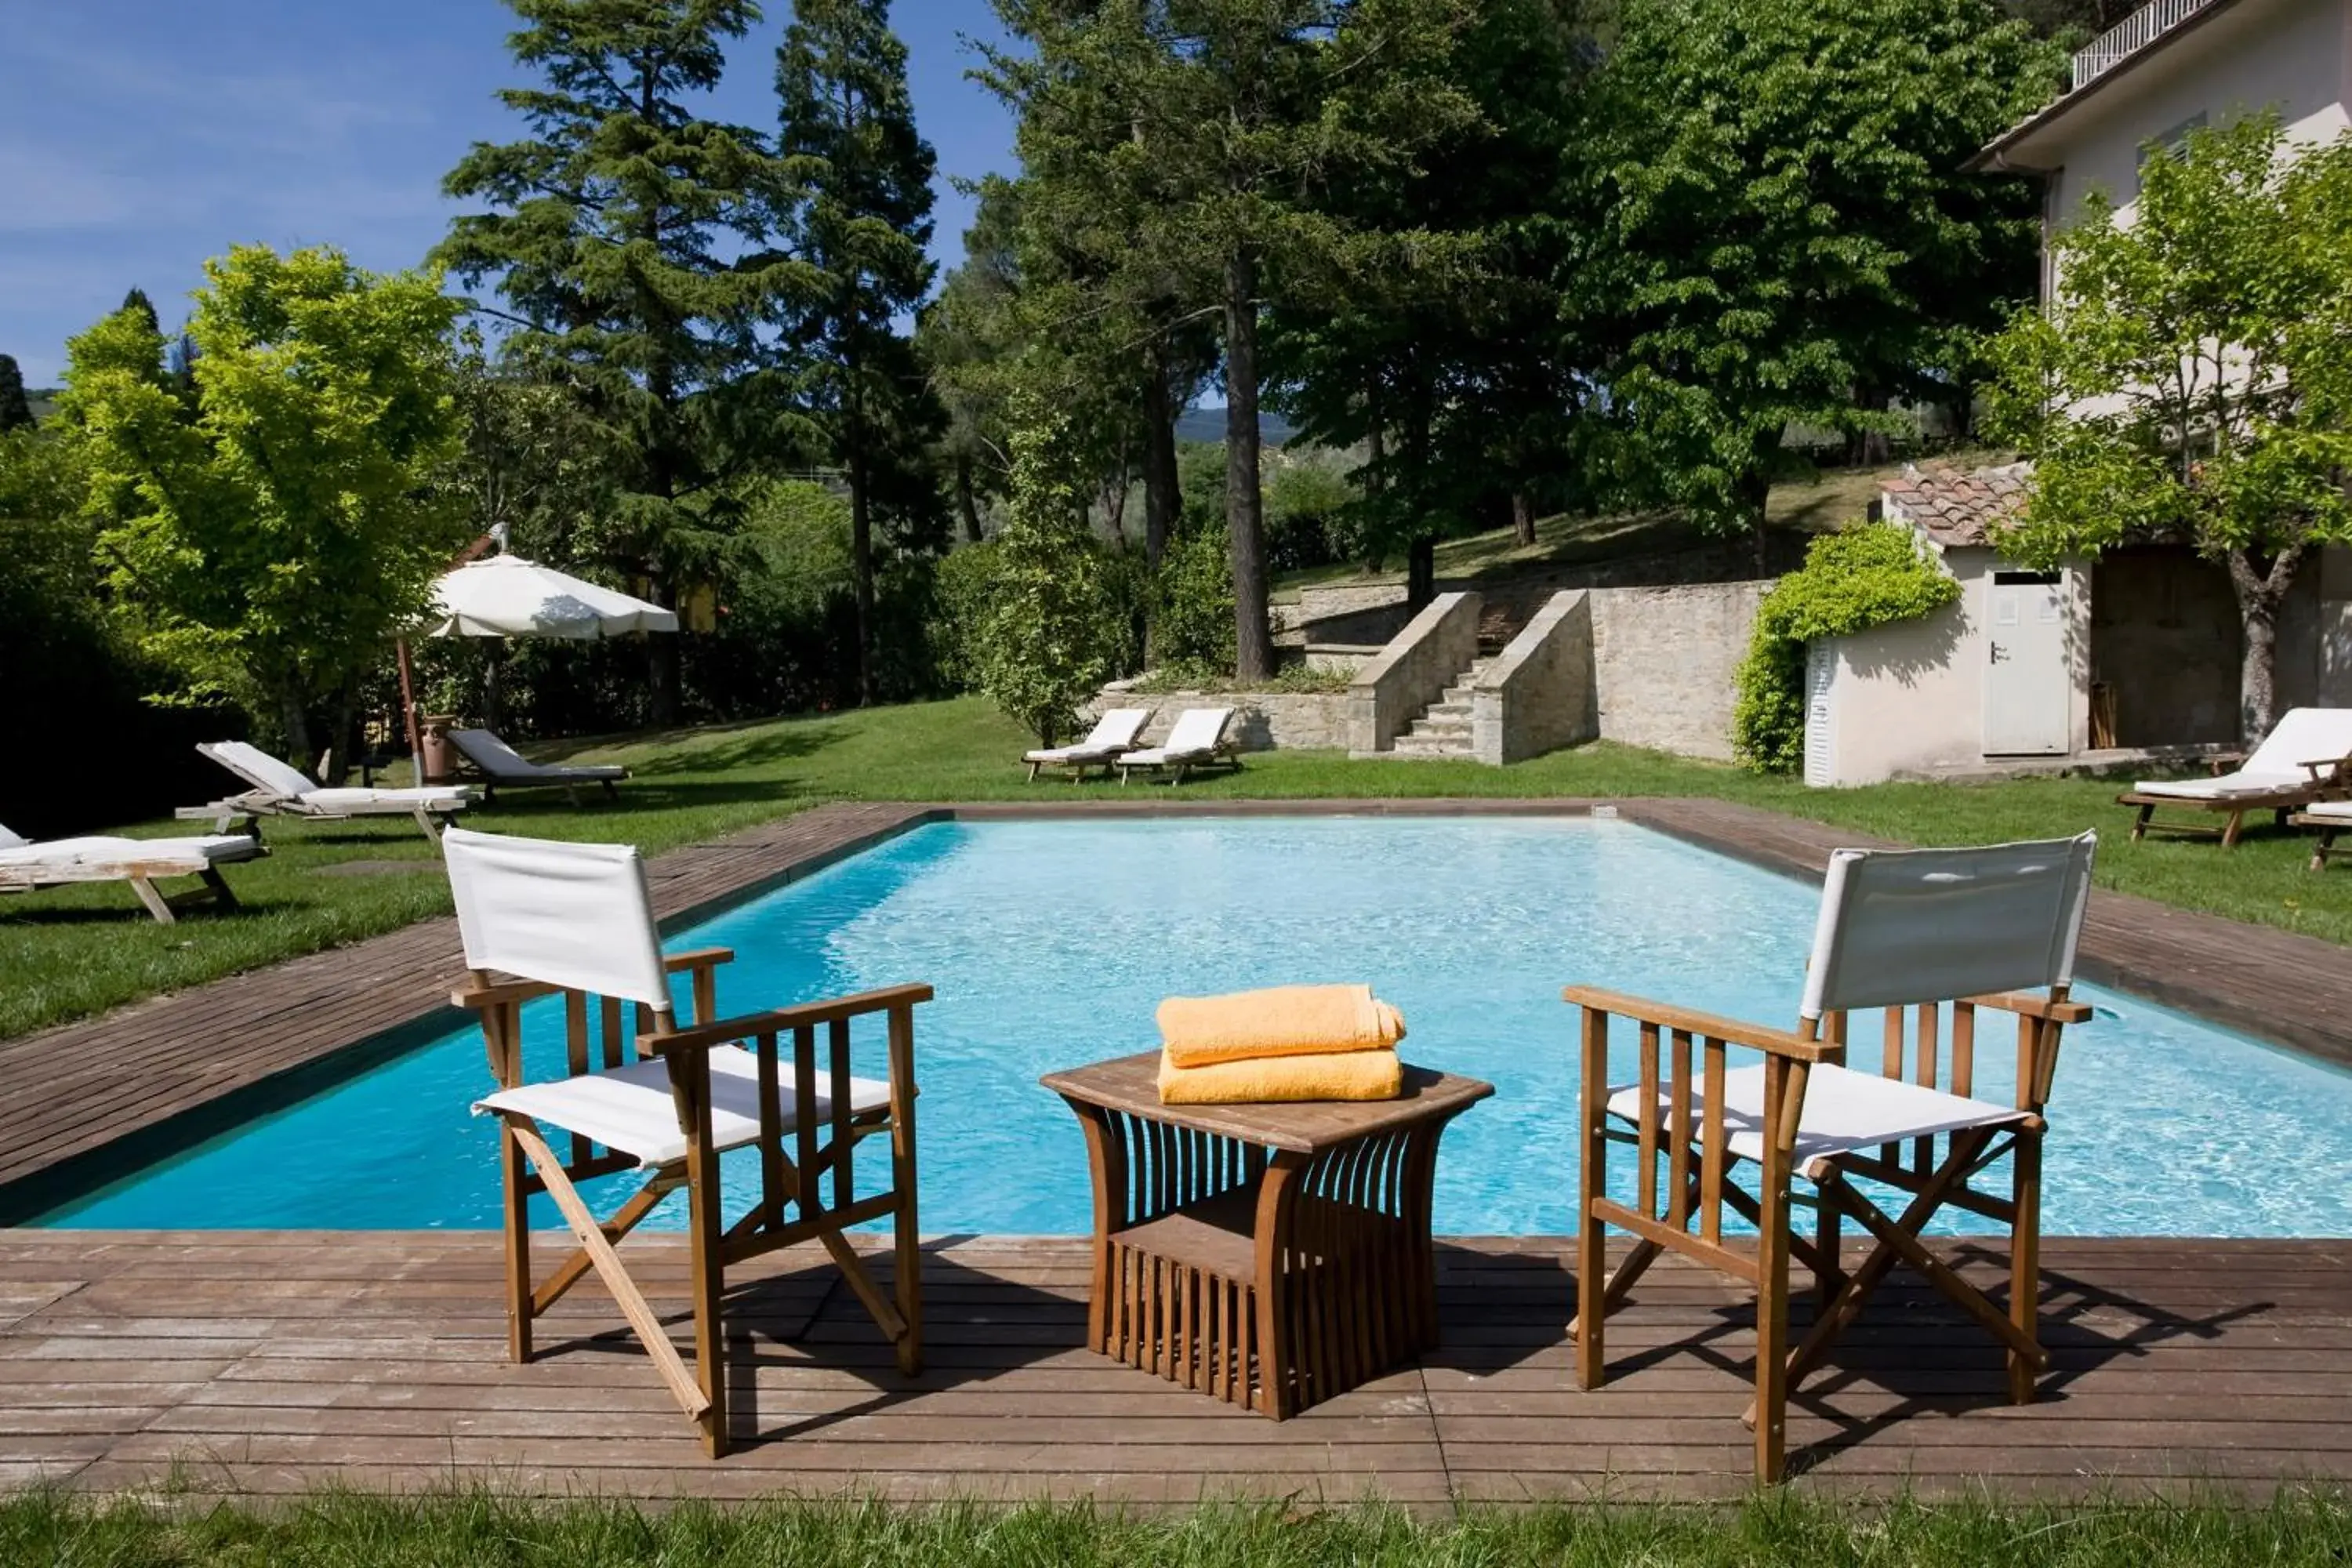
2025,1261
2139,827
1032,773
1772,1296
708,1280
1592,1167
2229,829
520,1310
223,894
1827,1276
2319,854
157,905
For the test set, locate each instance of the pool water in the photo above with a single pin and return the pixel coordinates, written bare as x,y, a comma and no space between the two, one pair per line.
1050,944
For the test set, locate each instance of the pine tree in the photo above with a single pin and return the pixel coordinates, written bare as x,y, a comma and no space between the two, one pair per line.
137,301
16,411
633,243
865,224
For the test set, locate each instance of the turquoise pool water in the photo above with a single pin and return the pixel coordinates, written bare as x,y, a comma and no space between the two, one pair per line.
1050,943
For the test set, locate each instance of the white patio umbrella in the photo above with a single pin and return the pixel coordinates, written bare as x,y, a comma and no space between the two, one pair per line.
508,596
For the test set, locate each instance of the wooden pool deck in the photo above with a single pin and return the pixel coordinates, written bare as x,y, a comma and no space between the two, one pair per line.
262,1361
267,1362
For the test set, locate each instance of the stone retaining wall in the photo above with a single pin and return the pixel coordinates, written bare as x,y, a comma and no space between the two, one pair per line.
1537,695
1262,721
1665,663
1413,671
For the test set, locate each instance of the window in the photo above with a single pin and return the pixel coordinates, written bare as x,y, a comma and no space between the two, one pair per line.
2171,141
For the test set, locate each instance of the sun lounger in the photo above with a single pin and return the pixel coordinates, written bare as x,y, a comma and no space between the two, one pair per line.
1929,938
1114,732
25,866
2332,817
279,790
500,764
1198,741
2307,758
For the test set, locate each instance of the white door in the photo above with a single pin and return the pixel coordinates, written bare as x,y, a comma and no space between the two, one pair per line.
2026,686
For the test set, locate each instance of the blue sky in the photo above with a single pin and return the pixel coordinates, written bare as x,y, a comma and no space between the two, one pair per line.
139,137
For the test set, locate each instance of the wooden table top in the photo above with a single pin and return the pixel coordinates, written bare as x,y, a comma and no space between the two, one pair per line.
1131,1084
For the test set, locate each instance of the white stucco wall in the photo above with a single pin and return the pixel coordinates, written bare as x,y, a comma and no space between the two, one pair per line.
1909,698
2294,58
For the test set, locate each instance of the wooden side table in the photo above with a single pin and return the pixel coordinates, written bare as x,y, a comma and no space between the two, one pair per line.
1270,1255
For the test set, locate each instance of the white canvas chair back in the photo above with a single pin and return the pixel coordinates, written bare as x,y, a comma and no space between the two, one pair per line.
2302,735
262,769
1120,727
1900,927
1197,729
579,915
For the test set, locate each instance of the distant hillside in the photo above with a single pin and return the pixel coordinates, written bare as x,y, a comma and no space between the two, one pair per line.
42,400
1209,425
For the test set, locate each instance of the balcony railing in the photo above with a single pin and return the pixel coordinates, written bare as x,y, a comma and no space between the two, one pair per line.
2130,35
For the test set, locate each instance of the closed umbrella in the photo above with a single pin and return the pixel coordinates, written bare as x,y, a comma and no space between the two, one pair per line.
508,596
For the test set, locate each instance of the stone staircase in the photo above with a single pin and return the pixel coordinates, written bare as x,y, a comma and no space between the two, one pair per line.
1444,728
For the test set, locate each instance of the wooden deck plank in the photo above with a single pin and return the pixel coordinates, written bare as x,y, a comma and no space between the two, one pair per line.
2175,1369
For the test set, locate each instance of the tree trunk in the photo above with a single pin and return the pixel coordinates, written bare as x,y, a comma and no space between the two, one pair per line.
2260,592
297,723
663,656
1377,447
1245,508
1162,497
343,743
861,569
967,502
1421,572
494,682
1523,518
1755,494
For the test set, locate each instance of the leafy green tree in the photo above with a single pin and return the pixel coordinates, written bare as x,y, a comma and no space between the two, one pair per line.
1784,220
15,409
864,222
968,338
1209,134
1044,654
634,245
271,546
2188,378
137,302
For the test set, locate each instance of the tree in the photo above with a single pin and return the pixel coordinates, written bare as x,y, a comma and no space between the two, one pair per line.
1239,118
864,222
15,409
2188,379
271,546
631,242
136,301
1042,652
1785,221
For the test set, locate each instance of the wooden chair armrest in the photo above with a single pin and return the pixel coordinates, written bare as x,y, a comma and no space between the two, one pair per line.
2222,762
808,1014
2034,1006
1731,1031
2323,769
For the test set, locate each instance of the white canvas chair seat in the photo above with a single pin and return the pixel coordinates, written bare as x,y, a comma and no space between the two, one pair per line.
2242,782
631,1109
389,801
1845,1111
2330,810
1114,732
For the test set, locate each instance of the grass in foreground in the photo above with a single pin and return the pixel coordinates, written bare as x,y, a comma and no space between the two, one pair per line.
70,952
330,1531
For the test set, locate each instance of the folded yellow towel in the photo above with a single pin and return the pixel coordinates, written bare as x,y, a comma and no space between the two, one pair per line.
1283,1021
1328,1075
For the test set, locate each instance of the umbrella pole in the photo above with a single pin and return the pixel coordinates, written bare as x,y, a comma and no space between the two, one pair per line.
409,709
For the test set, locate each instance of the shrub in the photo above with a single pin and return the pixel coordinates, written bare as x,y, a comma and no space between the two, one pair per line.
1865,576
965,584
1195,624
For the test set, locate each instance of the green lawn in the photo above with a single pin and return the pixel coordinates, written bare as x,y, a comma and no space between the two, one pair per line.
72,951
343,1531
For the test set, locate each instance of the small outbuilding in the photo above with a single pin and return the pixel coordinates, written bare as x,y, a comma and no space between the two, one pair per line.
2099,663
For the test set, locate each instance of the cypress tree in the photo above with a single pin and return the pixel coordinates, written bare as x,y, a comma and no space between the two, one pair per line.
15,412
865,224
137,301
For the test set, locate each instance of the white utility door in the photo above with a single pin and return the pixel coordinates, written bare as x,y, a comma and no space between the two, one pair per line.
2026,686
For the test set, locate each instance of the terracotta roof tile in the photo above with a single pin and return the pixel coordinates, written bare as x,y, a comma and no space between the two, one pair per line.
1954,508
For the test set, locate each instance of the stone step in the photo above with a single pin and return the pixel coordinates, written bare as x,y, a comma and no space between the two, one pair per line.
1419,745
1448,710
1449,729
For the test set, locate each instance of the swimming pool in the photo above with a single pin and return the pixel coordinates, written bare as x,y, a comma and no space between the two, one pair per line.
1051,943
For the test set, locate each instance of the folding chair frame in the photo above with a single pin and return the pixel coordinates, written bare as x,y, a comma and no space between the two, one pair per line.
1698,1182
529,1164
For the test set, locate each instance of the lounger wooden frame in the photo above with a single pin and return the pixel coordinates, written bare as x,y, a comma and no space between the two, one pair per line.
2329,826
213,888
243,812
2329,781
793,1174
1681,1067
